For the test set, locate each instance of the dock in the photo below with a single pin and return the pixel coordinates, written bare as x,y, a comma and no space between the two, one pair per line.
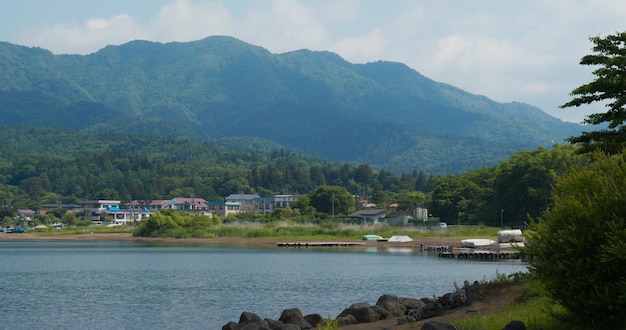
318,244
476,254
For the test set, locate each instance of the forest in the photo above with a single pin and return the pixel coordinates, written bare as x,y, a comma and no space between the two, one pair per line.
46,166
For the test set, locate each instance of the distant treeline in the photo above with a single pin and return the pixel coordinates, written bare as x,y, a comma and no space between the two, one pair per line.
44,165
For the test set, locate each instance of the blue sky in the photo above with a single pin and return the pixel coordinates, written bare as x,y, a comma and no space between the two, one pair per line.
526,51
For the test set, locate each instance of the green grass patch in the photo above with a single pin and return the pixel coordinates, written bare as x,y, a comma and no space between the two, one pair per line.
534,312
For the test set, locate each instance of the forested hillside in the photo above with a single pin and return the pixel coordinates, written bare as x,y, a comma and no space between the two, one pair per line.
47,166
43,165
383,114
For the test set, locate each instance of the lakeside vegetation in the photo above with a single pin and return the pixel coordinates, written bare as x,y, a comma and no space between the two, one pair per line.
286,229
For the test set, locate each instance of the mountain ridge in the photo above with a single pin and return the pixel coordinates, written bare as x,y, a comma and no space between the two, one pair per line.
381,113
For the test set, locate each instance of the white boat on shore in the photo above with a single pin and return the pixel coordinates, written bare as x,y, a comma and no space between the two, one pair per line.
400,239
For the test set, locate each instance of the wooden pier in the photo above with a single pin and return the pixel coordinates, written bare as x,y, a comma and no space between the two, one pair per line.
318,244
474,254
436,248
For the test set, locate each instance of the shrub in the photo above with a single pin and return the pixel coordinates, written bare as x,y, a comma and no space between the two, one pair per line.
579,246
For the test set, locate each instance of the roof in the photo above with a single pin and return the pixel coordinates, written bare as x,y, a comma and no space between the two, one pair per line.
399,214
223,203
25,212
150,202
242,197
366,213
192,200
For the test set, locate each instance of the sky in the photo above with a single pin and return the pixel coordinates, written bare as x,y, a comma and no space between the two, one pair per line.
509,51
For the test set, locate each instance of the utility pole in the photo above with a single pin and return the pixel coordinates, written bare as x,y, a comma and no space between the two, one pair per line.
501,216
332,202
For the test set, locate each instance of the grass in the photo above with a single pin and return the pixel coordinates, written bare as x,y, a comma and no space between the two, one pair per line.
335,230
329,230
532,308
82,230
532,312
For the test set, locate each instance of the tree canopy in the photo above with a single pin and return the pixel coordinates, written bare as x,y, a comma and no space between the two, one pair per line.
610,87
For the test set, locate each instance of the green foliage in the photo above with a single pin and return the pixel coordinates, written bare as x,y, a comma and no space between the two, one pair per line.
366,113
332,200
533,312
520,186
609,85
578,245
329,324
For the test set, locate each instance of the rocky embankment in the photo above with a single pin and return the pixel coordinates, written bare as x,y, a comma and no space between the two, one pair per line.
404,309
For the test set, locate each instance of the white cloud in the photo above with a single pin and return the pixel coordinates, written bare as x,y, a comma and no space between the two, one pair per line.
87,37
183,20
284,26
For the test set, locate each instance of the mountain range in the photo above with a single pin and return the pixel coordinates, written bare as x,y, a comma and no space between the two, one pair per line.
221,89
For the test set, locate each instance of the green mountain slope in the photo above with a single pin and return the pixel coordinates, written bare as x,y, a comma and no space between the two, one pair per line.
381,113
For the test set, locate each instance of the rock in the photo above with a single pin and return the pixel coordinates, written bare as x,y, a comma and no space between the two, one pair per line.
248,316
278,325
453,300
294,316
431,308
346,320
252,325
392,305
230,325
405,320
515,325
382,313
472,292
362,312
434,325
314,319
411,303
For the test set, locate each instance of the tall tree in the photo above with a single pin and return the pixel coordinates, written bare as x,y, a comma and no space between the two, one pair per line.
332,200
609,86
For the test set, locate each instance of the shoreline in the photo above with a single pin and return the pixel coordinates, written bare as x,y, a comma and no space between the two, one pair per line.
425,241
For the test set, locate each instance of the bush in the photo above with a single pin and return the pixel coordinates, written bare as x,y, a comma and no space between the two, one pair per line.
579,246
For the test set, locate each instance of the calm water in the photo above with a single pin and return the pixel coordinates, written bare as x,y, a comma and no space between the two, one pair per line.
131,285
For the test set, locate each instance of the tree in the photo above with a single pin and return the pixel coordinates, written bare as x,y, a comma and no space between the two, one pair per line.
579,245
332,200
610,85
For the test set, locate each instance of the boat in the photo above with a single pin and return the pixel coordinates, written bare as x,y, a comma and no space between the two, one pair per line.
399,239
476,242
510,236
371,237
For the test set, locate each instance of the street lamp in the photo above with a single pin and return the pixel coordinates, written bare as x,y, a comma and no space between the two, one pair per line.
501,216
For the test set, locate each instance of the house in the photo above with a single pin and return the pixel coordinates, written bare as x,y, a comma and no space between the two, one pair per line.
96,210
192,204
223,209
266,205
123,216
368,216
242,198
262,205
283,201
27,215
147,205
398,218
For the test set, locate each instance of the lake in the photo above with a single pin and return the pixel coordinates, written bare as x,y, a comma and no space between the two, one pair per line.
138,285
